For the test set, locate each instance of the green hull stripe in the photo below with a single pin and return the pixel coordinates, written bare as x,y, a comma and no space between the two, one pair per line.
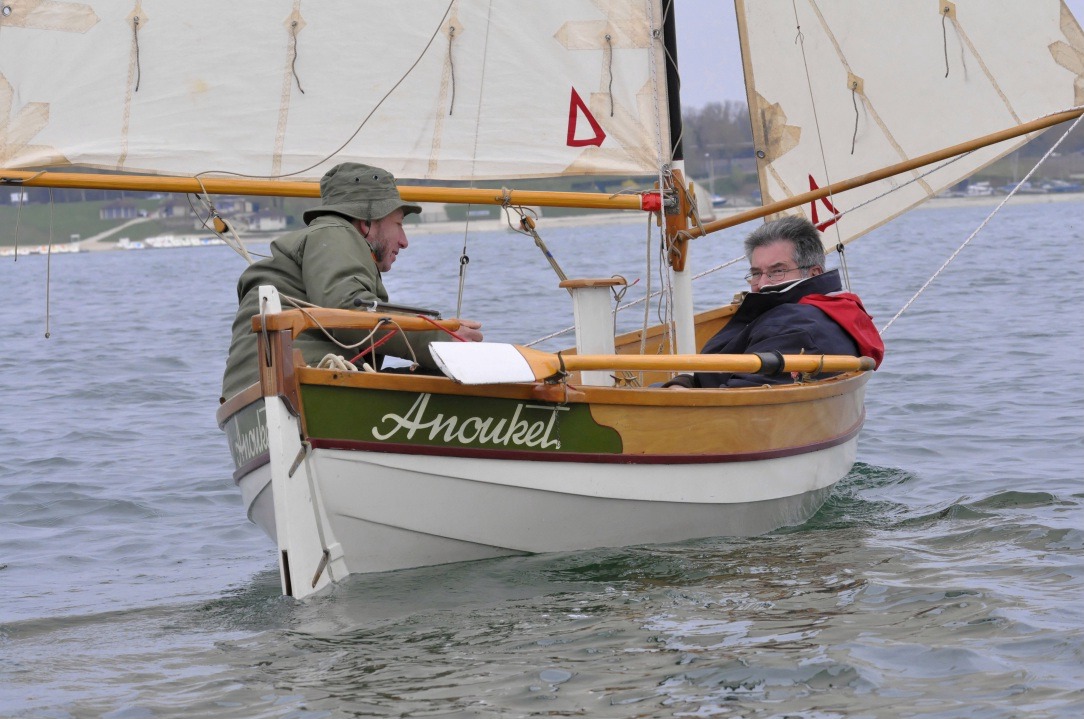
436,420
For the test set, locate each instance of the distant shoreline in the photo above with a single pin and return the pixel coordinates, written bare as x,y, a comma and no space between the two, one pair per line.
607,218
99,243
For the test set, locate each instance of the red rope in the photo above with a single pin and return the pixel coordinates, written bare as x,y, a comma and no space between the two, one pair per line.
442,328
391,333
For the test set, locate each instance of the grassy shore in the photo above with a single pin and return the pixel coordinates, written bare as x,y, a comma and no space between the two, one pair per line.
34,225
31,225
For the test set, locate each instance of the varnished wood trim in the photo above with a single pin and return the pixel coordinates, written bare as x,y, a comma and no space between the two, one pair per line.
591,282
627,396
237,403
297,321
584,458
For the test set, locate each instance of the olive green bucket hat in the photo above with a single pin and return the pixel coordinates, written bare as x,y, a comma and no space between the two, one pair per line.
359,192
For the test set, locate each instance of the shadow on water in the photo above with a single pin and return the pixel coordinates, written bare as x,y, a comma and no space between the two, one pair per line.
615,632
255,606
856,500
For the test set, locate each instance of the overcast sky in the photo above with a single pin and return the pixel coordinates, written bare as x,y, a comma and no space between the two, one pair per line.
708,52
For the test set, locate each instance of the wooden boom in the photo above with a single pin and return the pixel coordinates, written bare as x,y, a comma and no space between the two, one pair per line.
292,188
870,177
646,201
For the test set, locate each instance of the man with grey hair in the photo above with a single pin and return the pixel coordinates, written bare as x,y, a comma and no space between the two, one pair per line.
337,260
794,306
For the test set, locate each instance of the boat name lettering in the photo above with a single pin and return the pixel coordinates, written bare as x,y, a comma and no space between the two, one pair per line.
494,431
250,443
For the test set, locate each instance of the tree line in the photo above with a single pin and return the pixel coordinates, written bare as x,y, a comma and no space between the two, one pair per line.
717,141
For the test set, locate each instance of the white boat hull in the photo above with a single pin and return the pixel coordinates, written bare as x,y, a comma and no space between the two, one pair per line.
354,472
391,511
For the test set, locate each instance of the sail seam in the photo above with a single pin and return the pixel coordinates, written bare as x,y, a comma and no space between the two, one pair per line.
800,39
295,23
986,70
132,85
860,91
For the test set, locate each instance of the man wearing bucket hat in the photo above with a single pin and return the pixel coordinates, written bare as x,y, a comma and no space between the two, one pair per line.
353,236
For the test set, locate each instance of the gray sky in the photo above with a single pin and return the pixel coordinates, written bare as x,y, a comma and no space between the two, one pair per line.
708,52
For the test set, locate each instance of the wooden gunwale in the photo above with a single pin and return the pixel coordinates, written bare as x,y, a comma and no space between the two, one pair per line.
236,403
628,396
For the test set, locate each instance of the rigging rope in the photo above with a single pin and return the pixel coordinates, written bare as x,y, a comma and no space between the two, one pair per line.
49,264
528,228
370,338
463,259
364,121
982,225
135,42
800,40
854,99
610,56
451,68
232,240
647,290
944,35
18,219
293,61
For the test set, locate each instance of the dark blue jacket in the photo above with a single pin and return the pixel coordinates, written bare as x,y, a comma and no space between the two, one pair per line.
767,321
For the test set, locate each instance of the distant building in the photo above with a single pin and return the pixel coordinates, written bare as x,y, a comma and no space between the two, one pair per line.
267,221
175,207
233,205
433,212
119,210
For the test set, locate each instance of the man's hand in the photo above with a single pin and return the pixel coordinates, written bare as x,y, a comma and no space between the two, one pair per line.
470,330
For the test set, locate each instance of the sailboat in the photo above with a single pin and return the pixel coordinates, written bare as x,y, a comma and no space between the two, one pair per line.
516,450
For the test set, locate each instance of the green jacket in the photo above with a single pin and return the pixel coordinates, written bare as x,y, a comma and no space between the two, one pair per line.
328,264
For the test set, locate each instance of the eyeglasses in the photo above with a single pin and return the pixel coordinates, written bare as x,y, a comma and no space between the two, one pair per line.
773,276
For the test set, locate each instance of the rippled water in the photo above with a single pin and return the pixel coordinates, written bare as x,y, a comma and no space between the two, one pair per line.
942,579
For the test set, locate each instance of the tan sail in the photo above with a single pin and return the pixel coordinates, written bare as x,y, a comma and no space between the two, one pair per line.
894,81
444,89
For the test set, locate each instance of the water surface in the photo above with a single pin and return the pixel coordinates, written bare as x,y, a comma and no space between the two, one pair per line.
941,579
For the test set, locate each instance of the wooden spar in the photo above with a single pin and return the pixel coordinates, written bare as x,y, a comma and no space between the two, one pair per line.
276,188
907,165
494,362
600,201
545,364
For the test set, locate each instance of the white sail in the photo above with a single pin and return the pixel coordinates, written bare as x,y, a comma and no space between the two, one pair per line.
442,89
894,81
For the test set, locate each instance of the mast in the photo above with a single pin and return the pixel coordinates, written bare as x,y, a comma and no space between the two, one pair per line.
676,220
673,80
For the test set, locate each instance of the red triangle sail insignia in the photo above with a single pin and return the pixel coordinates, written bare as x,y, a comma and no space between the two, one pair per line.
822,226
577,108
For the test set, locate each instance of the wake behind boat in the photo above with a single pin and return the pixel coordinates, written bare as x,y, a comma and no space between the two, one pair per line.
352,471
